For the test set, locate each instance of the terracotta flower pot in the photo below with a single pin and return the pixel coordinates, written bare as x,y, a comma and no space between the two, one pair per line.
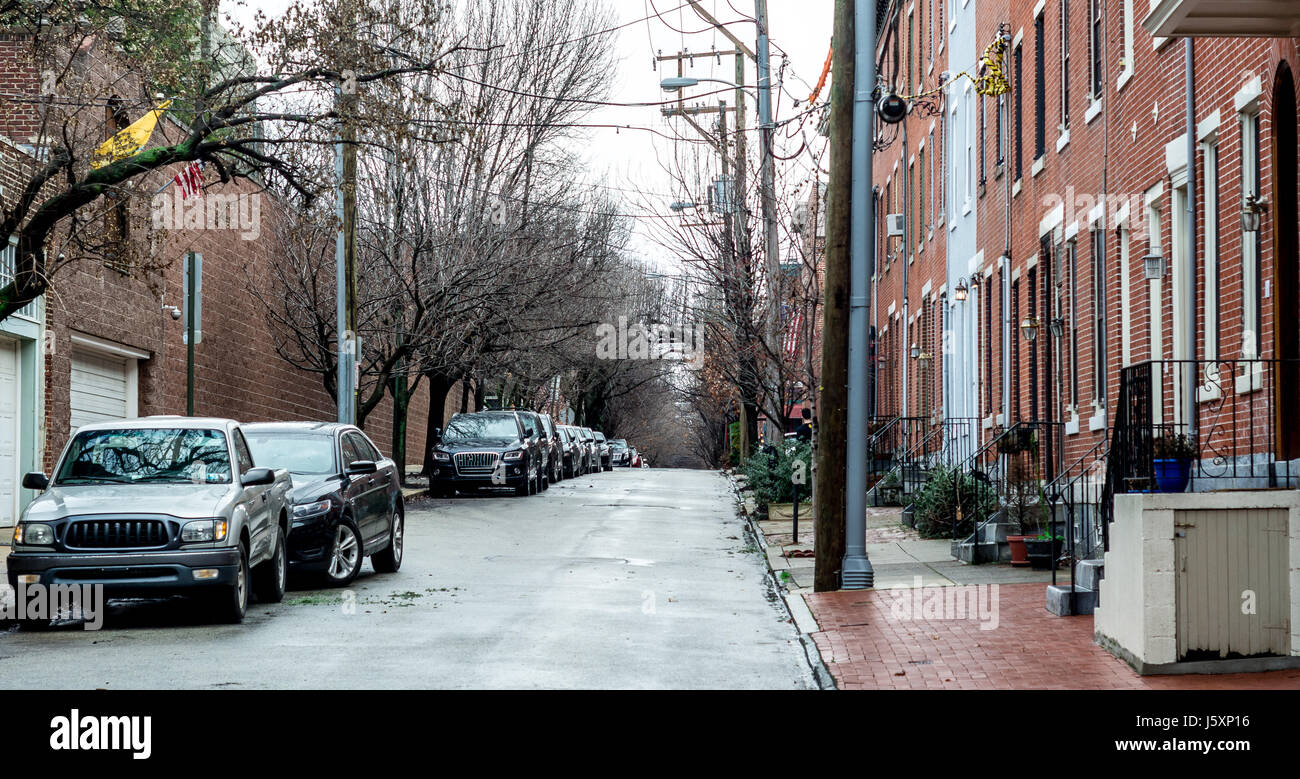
1019,554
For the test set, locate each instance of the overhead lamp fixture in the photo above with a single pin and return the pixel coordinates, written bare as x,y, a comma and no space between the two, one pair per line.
1154,266
1251,214
1029,327
961,291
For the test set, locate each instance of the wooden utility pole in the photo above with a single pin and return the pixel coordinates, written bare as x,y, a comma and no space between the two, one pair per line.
831,431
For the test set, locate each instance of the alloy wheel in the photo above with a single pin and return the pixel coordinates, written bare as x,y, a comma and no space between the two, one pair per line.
346,553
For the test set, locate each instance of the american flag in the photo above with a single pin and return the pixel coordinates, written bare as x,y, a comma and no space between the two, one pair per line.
190,180
791,343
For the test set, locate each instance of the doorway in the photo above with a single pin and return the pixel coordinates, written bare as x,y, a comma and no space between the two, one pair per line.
1286,265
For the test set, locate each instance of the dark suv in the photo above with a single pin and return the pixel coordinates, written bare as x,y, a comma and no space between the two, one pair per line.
555,455
484,449
573,460
619,453
540,443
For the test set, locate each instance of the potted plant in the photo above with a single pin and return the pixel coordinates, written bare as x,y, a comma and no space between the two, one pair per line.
1043,549
1172,464
1022,510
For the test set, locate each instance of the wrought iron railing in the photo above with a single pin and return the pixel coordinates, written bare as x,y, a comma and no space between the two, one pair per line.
1207,424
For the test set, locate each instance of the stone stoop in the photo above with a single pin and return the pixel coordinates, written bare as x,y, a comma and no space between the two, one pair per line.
1087,590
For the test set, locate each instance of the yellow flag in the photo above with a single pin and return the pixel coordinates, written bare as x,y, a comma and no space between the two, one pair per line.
129,140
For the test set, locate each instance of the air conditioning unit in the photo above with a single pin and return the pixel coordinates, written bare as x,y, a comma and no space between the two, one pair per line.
894,225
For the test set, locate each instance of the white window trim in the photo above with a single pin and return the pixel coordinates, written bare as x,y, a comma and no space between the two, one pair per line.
1094,111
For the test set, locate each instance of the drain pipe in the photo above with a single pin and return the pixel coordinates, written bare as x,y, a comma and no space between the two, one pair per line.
1189,369
856,572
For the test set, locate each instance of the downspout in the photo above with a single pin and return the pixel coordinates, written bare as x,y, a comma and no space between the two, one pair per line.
1189,372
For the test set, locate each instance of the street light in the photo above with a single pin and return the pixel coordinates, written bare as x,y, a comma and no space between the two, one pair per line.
1029,327
916,351
683,205
678,83
1057,326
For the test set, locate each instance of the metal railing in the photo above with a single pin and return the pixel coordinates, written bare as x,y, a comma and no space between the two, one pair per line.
1207,424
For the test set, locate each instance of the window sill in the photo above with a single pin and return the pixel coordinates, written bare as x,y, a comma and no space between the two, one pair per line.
1098,421
1038,166
1124,78
1015,188
1063,141
1094,111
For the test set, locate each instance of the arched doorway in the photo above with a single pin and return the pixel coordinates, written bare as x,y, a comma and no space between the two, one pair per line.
1286,263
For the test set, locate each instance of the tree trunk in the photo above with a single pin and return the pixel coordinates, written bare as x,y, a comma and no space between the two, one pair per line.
464,395
832,432
401,406
439,385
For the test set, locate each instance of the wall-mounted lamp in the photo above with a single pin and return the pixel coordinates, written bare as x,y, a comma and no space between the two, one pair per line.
1252,212
1057,326
1029,327
923,360
961,291
1154,266
916,351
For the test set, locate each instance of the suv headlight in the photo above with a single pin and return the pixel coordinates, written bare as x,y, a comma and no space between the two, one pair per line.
304,510
35,534
441,457
203,530
514,456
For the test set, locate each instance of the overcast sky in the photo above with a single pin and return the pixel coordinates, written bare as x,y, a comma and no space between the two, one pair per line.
628,161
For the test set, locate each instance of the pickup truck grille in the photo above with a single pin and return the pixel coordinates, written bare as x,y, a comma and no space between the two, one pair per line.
470,463
116,534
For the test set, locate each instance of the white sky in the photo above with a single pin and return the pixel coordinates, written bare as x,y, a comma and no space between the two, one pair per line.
627,161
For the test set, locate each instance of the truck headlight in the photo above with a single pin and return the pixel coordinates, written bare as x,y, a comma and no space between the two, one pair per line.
304,510
34,534
203,530
514,456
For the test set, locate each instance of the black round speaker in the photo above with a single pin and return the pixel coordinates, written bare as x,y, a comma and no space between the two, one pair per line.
892,109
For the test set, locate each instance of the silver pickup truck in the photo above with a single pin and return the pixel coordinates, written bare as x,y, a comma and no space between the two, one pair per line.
154,507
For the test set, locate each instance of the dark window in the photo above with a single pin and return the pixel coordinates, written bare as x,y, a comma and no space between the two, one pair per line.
1065,64
1072,270
1099,314
989,326
1040,88
1015,351
1096,53
1032,294
1017,91
983,130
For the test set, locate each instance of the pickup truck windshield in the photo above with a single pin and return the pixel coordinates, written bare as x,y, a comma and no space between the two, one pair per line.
146,455
471,428
307,454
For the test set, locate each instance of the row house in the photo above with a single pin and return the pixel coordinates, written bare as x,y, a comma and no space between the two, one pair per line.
104,344
1107,274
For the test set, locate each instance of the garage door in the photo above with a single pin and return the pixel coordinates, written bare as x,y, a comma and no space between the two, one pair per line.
9,387
100,387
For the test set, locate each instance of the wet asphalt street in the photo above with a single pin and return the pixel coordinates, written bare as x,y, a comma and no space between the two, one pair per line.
630,579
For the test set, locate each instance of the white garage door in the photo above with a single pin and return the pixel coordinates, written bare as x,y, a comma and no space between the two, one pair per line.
101,387
9,389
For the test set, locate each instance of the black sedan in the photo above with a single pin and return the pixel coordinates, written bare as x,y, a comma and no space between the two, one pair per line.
347,497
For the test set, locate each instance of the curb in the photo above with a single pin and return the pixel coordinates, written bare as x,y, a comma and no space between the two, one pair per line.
795,607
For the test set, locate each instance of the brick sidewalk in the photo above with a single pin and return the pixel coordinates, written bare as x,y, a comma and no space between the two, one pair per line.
866,647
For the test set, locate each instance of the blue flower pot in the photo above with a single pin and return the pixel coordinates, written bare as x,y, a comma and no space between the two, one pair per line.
1172,475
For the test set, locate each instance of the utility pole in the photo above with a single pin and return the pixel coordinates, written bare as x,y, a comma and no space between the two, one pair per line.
833,423
772,246
857,572
345,169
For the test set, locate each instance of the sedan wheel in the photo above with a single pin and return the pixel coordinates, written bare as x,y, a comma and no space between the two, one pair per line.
345,556
390,559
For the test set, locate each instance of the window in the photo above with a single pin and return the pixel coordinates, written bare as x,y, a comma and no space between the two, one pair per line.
989,326
921,197
1250,310
242,454
911,54
1015,350
983,130
970,148
1065,65
1017,93
1040,89
1099,315
1031,293
1096,46
1001,139
1126,69
1071,260
1210,292
909,219
930,177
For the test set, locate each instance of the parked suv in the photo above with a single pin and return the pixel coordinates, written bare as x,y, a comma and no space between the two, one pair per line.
481,450
540,445
593,451
572,457
555,455
602,447
154,507
619,453
347,499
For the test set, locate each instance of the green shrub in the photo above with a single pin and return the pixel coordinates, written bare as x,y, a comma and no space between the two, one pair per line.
773,477
935,505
